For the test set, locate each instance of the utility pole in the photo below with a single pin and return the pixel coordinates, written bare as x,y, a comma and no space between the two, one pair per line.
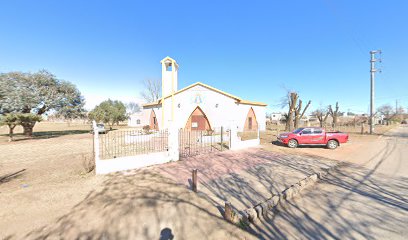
373,70
396,109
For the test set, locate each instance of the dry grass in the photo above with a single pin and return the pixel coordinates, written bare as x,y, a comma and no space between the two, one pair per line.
379,129
248,135
44,130
53,179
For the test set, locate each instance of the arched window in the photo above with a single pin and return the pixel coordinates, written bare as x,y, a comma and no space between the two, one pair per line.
250,123
153,121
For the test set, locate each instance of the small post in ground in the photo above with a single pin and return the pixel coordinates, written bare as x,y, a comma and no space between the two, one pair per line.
194,180
222,138
95,144
228,212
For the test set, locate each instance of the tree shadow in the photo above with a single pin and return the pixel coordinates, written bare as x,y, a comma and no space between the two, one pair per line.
140,205
352,202
244,178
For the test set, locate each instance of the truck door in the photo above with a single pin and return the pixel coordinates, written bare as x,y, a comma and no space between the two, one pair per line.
318,136
305,136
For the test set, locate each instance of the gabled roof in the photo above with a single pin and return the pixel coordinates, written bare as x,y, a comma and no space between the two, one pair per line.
238,100
206,86
158,102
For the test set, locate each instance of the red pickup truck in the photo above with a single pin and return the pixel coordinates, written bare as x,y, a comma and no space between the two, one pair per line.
313,136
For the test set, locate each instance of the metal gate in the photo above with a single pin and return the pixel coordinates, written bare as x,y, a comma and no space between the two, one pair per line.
195,142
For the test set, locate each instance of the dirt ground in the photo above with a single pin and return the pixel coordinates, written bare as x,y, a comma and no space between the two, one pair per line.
44,130
346,152
44,192
43,183
42,179
366,199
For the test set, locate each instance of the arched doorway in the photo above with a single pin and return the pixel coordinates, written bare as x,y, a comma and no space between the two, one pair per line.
250,123
153,123
198,121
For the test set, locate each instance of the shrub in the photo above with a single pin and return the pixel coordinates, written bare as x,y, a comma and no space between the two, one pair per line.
146,129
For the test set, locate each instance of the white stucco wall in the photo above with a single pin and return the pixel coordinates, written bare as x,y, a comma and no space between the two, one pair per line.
131,162
132,121
146,112
189,100
228,110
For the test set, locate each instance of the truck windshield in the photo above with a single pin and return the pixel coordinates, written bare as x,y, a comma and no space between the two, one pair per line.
298,130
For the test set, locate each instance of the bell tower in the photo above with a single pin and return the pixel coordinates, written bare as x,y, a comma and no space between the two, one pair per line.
169,76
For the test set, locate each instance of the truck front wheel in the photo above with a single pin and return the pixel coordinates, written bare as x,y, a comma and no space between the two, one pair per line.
332,144
292,143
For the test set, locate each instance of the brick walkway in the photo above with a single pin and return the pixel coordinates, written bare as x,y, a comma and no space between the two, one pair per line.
243,177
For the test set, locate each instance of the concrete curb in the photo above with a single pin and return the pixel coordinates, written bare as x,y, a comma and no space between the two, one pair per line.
269,206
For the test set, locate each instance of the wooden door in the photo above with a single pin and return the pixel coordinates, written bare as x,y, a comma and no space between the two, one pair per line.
198,122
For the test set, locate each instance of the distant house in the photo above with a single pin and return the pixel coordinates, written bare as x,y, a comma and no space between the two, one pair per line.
136,120
276,117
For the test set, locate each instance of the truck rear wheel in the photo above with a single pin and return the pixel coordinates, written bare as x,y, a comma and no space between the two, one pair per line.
292,143
332,144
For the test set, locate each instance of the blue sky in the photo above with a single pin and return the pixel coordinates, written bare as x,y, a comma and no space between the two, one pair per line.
252,49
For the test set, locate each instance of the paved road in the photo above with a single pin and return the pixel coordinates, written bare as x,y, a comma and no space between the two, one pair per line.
367,198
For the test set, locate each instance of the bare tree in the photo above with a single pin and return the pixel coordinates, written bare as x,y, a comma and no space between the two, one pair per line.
321,115
390,113
298,109
334,114
289,101
152,90
295,113
132,107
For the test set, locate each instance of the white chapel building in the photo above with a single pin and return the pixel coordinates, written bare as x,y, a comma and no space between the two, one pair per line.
198,107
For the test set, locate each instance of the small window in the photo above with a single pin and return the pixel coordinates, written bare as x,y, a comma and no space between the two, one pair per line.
307,131
317,131
138,121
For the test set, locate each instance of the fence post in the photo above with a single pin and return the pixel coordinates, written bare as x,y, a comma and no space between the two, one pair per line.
95,145
259,135
189,142
173,142
194,184
222,138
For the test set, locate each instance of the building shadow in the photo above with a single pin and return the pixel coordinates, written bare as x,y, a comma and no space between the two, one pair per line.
136,205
